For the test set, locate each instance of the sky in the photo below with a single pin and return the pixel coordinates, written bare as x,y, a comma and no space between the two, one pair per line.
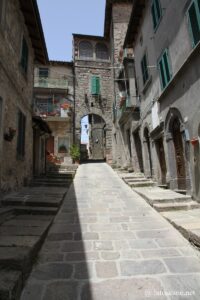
61,18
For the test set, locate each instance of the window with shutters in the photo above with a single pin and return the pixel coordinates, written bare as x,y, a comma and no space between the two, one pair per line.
156,13
95,85
21,135
194,21
101,51
85,50
144,68
24,56
164,69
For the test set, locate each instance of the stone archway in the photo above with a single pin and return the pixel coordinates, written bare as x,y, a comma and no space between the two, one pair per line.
96,143
178,167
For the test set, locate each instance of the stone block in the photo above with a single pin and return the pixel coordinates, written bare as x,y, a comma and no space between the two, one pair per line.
144,267
51,271
106,269
61,290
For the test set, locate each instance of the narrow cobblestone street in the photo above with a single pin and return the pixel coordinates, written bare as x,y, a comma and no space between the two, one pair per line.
107,243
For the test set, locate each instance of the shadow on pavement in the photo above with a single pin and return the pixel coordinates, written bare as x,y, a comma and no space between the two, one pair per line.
62,271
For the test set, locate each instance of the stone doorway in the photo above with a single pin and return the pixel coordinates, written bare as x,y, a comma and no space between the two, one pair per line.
179,154
161,159
138,149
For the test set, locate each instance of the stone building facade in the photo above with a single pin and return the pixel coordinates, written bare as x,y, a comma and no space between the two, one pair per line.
93,86
21,43
168,81
54,103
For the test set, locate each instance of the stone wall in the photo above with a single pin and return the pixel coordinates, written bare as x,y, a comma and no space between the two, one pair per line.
16,94
87,103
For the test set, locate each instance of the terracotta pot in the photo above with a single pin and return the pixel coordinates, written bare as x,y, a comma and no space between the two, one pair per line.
194,141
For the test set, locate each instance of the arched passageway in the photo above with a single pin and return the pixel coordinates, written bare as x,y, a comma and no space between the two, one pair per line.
93,137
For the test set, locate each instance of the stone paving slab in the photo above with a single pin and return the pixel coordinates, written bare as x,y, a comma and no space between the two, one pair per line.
187,222
107,242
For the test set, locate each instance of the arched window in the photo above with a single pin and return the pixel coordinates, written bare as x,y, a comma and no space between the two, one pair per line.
85,50
102,51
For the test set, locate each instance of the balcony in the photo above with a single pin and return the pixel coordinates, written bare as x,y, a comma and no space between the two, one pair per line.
50,83
53,109
128,107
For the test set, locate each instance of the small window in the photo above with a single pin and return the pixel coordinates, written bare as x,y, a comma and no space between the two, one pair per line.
24,56
194,21
145,72
21,135
95,85
85,50
63,145
43,72
164,69
102,52
43,77
156,13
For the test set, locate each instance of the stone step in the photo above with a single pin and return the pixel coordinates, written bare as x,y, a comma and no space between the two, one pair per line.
175,206
138,184
35,210
5,214
52,184
178,199
10,284
135,179
53,180
163,186
21,240
39,202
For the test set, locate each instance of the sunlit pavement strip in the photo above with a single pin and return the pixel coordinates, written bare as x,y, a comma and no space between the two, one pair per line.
107,243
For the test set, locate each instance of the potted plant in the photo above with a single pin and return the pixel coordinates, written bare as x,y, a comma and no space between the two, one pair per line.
75,153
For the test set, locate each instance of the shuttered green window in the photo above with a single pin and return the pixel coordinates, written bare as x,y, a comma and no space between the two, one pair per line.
24,55
144,68
194,21
21,135
95,85
156,13
164,69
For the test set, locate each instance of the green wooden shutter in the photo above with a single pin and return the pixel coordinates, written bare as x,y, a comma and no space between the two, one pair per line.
194,21
95,85
144,68
164,69
156,13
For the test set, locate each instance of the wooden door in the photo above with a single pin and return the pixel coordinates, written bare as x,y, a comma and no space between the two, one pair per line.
161,158
179,155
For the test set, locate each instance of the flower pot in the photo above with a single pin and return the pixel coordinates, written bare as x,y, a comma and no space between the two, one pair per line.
194,141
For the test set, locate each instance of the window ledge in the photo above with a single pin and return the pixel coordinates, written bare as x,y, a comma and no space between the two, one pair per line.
147,84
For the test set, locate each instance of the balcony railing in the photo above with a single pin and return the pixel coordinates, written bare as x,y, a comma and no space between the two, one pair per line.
51,83
50,109
126,106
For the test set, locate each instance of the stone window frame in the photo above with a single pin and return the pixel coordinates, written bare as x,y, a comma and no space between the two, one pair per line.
94,56
85,57
105,47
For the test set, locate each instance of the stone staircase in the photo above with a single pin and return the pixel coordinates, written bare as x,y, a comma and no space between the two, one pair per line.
159,197
25,218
